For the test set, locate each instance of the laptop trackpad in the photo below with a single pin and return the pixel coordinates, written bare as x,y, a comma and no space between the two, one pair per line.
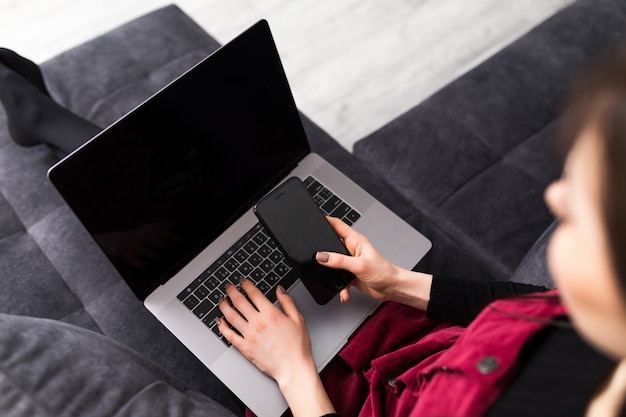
330,325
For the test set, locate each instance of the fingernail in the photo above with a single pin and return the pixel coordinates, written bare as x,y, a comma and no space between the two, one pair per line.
341,298
281,289
218,321
322,257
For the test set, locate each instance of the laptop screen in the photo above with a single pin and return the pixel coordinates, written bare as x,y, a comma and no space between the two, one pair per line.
157,186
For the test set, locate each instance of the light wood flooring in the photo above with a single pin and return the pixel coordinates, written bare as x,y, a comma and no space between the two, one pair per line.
353,65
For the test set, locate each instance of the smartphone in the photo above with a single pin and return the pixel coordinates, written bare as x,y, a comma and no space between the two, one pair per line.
300,229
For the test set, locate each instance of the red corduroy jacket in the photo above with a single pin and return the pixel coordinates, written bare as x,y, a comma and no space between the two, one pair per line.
402,364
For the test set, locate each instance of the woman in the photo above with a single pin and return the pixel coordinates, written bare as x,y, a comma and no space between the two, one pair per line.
514,358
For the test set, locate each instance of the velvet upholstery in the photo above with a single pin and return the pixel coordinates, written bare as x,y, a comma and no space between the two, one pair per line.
43,376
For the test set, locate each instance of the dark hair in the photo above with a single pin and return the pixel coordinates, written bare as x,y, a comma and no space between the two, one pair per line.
599,102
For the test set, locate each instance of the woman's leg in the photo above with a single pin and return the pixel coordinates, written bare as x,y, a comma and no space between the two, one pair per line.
33,117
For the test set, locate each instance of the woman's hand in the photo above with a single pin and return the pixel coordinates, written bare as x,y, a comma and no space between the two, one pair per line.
375,275
272,340
276,342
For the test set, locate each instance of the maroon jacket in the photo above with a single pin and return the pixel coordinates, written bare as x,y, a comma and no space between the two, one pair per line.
401,363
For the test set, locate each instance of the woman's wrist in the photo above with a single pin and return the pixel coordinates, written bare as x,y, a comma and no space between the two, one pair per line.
305,392
412,288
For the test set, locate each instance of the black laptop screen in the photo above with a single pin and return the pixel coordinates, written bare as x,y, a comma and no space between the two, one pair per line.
154,188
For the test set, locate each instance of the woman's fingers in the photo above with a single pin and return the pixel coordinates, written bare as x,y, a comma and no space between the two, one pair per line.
287,303
248,307
256,297
344,231
235,319
338,261
344,295
239,301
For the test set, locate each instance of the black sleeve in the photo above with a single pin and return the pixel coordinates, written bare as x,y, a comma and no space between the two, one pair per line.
459,301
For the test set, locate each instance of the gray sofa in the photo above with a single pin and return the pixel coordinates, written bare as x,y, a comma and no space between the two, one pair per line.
467,167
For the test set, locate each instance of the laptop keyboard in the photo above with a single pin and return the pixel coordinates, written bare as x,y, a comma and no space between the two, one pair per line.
254,256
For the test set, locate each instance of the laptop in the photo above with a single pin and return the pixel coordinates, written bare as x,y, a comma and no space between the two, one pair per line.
167,193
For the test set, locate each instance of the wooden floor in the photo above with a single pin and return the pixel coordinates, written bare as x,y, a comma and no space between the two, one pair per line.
353,65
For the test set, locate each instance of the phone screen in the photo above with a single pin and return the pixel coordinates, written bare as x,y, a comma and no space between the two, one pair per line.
300,229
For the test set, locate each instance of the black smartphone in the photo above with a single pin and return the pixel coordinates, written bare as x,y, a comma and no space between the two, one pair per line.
300,229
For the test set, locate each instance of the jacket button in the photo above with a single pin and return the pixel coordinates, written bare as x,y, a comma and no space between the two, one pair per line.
391,382
487,365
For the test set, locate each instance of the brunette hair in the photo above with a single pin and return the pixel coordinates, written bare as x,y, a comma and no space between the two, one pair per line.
599,102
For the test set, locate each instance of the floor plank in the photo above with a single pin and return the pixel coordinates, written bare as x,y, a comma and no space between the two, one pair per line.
354,65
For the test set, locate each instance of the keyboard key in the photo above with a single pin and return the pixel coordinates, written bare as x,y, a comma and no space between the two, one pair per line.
231,264
209,318
191,287
341,210
250,247
271,278
212,283
271,243
222,274
353,216
257,275
331,204
308,181
281,269
263,287
245,269
325,193
235,277
260,238
203,308
241,255
277,256
314,188
201,292
271,295
255,259
267,266
215,296
264,251
191,302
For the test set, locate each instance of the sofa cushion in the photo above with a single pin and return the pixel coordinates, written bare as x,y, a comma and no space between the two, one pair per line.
48,368
534,266
476,156
29,283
